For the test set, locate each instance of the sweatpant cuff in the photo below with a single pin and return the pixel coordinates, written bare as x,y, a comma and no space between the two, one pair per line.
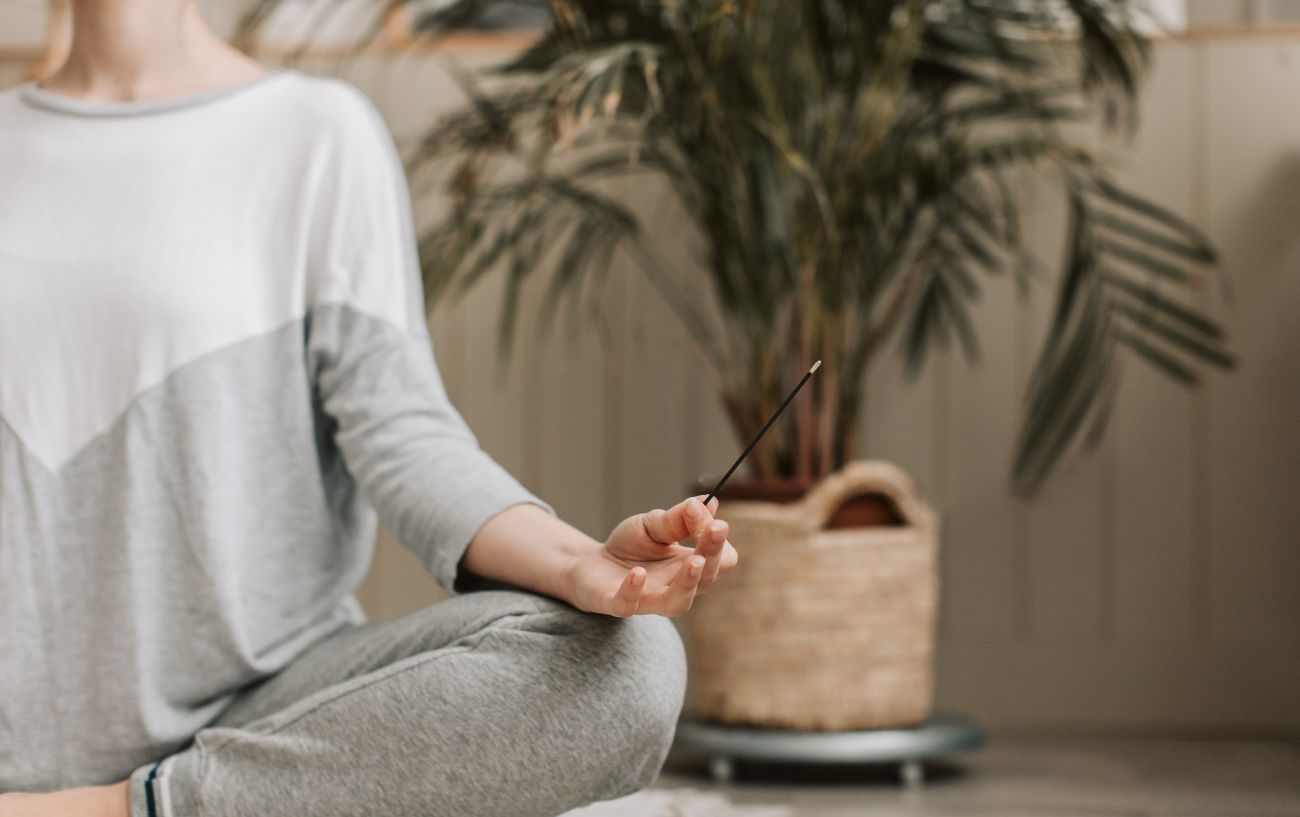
168,788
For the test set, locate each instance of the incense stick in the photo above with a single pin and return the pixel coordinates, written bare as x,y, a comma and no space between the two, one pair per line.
760,434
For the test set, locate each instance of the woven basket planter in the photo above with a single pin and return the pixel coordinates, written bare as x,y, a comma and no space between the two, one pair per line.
821,629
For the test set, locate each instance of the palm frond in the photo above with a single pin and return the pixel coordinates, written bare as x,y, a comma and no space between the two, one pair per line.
853,168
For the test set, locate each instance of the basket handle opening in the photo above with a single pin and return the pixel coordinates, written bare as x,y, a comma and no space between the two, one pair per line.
866,493
870,509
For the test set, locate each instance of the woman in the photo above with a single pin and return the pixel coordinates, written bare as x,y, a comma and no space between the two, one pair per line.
215,374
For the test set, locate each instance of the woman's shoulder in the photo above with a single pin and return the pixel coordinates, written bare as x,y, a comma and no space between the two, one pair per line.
330,106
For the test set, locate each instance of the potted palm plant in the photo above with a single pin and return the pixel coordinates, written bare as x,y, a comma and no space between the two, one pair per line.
852,167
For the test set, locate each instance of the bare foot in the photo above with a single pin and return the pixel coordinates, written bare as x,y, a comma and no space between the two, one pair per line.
91,801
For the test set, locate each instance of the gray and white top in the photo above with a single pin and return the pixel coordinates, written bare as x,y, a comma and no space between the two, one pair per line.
215,375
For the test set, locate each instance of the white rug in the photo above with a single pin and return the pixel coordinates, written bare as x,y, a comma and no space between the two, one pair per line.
676,803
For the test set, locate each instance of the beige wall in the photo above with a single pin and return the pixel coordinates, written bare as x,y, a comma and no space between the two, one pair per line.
1154,583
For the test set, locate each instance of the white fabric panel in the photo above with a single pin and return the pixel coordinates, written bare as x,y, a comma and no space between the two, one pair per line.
91,315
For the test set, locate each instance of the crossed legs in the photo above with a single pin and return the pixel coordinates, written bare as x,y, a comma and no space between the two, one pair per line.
496,703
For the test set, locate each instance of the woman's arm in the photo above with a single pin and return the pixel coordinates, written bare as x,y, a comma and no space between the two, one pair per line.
385,409
640,569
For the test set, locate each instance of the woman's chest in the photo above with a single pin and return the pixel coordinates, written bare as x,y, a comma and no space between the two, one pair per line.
106,290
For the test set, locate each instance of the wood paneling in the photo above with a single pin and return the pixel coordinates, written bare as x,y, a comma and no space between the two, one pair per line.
1152,425
1252,129
979,554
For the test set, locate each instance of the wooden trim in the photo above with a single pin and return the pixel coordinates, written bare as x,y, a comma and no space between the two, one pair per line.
1238,31
477,41
460,43
474,40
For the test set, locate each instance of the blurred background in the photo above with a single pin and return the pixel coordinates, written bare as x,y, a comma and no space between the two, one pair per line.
1136,619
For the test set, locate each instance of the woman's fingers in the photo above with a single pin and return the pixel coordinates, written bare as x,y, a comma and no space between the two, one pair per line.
676,523
708,528
699,520
712,555
680,595
710,535
710,546
730,557
658,527
625,601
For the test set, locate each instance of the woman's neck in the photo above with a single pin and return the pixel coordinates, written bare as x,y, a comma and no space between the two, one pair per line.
145,49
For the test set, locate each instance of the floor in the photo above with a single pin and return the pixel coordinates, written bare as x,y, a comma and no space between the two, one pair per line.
1026,777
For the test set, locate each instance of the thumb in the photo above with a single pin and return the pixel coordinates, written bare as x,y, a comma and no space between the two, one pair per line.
678,522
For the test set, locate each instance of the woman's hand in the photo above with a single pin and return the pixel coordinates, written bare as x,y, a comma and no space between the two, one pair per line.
642,568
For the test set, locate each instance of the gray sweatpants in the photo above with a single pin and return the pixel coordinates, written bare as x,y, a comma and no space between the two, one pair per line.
494,703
